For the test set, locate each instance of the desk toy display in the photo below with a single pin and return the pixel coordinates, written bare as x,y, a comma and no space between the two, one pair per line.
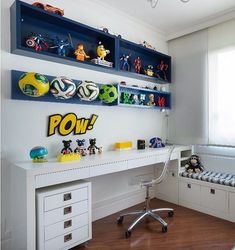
123,145
156,142
92,147
38,154
67,153
80,147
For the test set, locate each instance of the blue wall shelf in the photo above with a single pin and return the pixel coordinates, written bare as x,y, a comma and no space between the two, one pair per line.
17,94
26,19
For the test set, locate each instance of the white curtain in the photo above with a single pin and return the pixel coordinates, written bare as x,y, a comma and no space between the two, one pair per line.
221,76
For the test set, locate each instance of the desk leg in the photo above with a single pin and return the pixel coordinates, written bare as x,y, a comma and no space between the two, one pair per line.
23,210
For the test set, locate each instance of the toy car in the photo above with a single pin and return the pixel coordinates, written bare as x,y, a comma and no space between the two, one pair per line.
49,8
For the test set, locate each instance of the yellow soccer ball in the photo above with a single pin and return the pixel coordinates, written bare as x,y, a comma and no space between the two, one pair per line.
34,84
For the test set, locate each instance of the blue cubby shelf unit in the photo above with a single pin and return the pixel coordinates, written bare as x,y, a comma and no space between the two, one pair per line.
27,19
17,94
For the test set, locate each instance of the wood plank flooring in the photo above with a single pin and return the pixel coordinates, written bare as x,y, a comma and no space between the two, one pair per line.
187,230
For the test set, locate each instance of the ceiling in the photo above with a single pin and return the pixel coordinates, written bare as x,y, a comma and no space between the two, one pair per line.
175,18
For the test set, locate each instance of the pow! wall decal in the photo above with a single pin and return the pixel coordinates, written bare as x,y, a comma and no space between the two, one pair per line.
69,123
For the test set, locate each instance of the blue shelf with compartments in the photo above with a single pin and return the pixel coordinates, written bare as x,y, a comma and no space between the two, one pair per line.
27,19
17,94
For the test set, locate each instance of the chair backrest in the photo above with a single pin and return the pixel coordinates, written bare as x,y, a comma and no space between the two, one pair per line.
165,168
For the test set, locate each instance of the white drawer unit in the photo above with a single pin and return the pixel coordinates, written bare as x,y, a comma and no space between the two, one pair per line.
63,215
189,192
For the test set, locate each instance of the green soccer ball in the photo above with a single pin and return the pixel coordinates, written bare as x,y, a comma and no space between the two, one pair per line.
108,93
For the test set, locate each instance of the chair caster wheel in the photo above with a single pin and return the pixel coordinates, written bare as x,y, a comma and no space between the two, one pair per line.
164,229
170,213
120,220
128,234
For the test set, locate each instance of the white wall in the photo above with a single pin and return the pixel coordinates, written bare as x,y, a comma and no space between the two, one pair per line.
24,123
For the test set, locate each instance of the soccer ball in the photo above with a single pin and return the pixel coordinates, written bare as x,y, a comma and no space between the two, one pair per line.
88,91
62,87
34,84
108,93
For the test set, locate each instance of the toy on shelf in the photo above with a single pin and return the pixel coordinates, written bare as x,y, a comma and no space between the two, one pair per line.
151,101
80,53
49,8
62,87
156,142
34,84
37,42
102,53
61,45
81,147
38,154
161,101
123,145
108,93
149,71
126,98
66,149
106,30
142,98
92,147
135,99
137,64
88,91
67,153
162,71
194,165
148,45
140,144
125,62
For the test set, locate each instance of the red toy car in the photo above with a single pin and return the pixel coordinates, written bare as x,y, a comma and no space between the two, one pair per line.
49,8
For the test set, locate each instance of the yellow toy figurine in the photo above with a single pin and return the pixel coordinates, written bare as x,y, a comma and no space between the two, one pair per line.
101,51
149,71
151,101
80,53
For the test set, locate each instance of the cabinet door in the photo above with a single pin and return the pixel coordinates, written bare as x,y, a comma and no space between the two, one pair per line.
215,199
189,192
232,204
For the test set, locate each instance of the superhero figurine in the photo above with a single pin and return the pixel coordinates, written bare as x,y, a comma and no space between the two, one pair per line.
137,64
161,70
37,41
125,62
151,100
161,101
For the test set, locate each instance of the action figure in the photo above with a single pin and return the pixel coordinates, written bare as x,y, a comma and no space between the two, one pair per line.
101,51
161,101
142,98
161,70
149,70
80,53
92,147
66,149
125,62
37,41
61,44
151,100
137,64
81,148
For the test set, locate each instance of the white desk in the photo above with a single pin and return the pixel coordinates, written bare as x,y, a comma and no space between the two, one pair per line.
27,177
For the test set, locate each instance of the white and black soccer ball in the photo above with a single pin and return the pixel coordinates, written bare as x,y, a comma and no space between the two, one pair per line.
62,87
88,91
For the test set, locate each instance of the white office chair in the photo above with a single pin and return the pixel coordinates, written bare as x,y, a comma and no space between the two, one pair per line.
147,211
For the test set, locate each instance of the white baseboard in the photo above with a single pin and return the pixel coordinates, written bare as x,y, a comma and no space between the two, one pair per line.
112,205
164,197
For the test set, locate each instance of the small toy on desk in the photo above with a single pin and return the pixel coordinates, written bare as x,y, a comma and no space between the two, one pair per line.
102,53
125,62
38,154
151,101
162,71
123,145
61,45
37,42
88,91
92,147
66,149
137,64
149,71
34,84
81,147
108,93
140,144
194,165
80,53
62,87
67,153
156,142
49,8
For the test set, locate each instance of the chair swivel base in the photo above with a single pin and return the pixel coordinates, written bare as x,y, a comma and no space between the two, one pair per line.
144,213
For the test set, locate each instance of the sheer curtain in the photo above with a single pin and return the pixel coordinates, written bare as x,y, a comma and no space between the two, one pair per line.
221,73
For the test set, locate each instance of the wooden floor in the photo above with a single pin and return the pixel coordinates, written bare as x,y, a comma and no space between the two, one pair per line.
187,230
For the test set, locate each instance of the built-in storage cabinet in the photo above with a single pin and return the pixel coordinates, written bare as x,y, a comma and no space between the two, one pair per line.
27,19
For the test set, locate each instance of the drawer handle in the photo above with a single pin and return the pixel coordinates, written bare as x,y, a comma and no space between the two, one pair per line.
189,185
67,237
212,191
67,210
67,223
67,197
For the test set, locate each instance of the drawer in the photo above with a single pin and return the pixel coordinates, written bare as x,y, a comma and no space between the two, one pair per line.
215,199
64,199
189,192
66,226
76,236
66,212
135,163
232,204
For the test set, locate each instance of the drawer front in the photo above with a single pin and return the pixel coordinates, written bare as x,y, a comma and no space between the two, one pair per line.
79,235
66,198
215,199
135,163
66,212
189,192
66,226
232,204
